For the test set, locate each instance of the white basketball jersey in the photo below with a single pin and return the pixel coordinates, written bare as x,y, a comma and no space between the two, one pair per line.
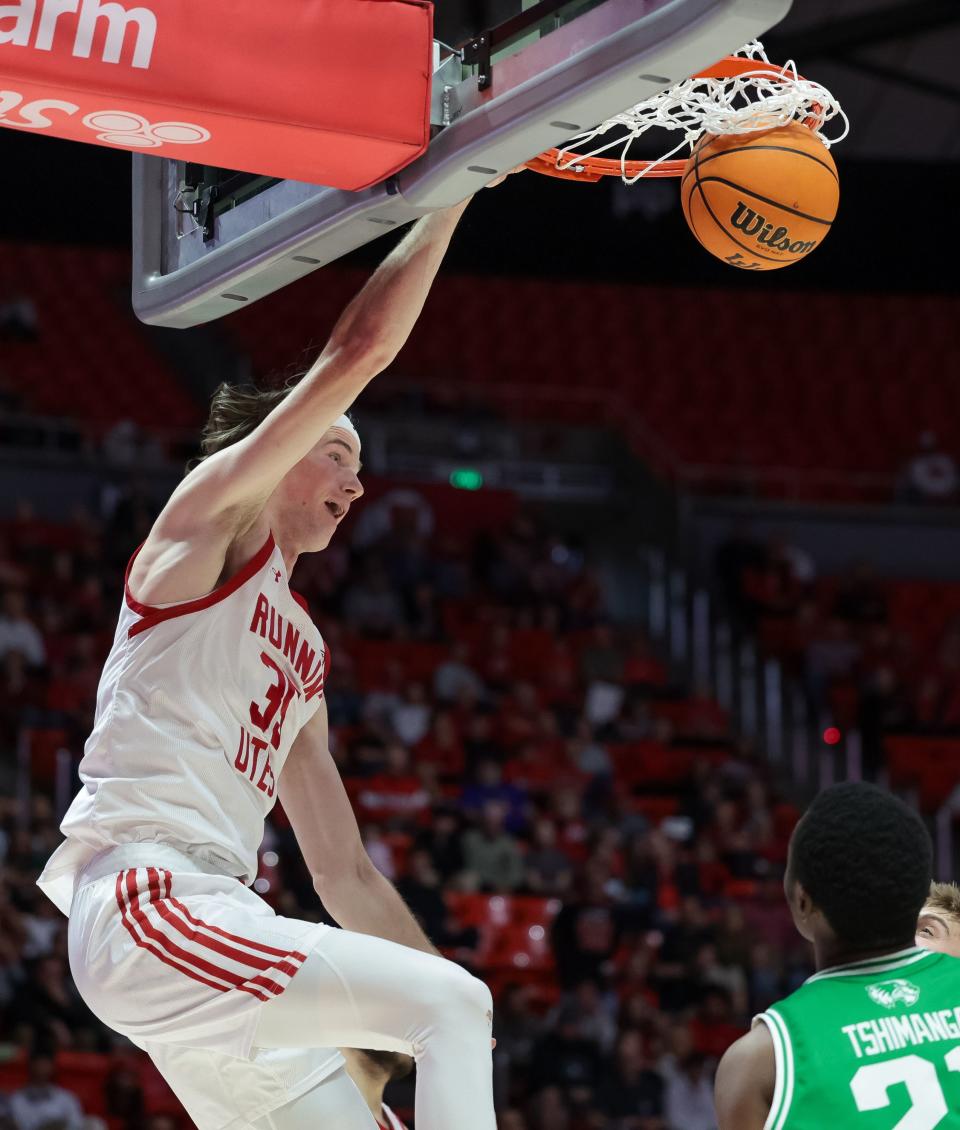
197,708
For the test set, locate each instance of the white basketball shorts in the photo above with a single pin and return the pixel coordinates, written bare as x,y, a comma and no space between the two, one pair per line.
181,962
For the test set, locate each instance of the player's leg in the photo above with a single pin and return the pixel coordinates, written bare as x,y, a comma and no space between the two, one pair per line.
363,992
335,1102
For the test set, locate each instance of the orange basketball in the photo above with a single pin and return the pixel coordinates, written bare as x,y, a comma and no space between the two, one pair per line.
760,201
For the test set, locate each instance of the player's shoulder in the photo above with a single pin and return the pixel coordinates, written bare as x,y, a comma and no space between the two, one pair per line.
913,962
746,1080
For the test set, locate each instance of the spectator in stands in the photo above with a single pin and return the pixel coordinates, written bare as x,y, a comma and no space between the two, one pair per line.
765,977
778,586
162,1122
511,1119
11,941
586,933
593,1012
740,554
442,840
425,614
930,475
18,632
632,1088
714,1027
41,929
19,320
567,1058
122,443
516,1028
395,794
21,697
454,675
421,890
379,850
443,748
371,605
491,855
602,656
860,597
688,1092
488,786
48,1003
41,1104
885,707
123,1094
642,670
410,718
587,754
479,743
11,573
550,1110
400,508
832,655
549,871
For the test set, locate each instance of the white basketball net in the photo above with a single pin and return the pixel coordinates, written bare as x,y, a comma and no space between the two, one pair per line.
746,103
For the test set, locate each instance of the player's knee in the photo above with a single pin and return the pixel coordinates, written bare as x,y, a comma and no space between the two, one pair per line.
461,994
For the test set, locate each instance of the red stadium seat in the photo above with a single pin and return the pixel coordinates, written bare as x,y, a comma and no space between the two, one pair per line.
43,747
840,396
84,1073
13,1072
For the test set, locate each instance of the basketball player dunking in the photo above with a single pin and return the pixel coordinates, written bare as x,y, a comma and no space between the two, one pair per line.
872,1040
210,707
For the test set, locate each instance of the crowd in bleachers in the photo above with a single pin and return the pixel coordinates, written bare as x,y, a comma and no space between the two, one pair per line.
878,654
875,360
563,817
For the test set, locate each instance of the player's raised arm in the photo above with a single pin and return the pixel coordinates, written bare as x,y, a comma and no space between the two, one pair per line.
217,502
745,1082
366,338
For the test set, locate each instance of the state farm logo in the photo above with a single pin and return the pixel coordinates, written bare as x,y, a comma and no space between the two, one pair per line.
112,127
121,127
128,35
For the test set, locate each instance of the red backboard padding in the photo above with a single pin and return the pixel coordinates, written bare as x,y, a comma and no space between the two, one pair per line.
334,92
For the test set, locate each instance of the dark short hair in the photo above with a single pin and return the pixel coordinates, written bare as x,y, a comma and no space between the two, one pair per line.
866,860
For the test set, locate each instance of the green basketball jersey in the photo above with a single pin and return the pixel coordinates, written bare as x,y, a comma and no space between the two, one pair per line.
870,1046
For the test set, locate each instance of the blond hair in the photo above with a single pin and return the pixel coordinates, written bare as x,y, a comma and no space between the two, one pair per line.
945,897
236,410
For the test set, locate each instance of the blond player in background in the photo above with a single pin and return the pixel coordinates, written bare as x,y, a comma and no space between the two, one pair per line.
938,927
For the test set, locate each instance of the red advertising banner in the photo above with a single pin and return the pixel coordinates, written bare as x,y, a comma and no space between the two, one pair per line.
334,92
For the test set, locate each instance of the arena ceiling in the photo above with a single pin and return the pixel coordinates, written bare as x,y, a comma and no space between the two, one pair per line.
894,65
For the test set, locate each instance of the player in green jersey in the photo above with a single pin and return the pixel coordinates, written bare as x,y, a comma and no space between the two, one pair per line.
872,1040
939,925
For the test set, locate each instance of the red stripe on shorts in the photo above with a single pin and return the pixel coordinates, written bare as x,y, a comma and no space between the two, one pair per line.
294,955
195,960
142,943
193,935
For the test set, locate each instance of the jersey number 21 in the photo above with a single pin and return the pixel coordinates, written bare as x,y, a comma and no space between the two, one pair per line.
928,1106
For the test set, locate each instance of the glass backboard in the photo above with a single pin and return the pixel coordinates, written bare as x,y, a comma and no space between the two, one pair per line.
207,242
